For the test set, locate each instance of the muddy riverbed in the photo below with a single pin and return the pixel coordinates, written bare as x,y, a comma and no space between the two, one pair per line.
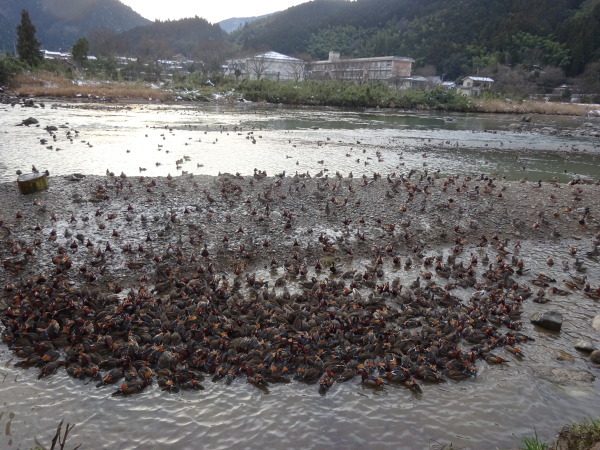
399,293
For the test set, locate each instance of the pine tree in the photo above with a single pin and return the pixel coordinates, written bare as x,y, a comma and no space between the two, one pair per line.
80,50
28,47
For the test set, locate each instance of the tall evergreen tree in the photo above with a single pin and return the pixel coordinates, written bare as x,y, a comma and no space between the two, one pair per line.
28,47
80,50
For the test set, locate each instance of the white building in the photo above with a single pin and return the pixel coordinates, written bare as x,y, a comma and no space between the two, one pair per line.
56,55
271,65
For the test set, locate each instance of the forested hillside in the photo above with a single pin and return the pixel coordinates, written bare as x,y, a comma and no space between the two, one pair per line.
193,38
59,23
515,41
454,36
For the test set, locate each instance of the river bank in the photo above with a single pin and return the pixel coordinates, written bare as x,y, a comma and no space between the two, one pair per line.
49,86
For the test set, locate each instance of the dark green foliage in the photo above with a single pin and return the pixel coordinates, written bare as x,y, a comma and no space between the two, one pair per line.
80,50
580,34
458,37
28,47
59,23
351,95
9,67
346,40
166,39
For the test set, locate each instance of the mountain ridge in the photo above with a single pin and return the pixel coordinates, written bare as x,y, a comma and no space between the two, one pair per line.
59,23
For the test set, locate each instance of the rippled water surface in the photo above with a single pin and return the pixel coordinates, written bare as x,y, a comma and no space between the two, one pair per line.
491,410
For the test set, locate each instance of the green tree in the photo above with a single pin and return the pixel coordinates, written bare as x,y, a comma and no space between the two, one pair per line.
9,67
28,47
80,50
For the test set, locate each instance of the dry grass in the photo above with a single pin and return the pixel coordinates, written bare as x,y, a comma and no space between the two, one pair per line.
46,84
534,107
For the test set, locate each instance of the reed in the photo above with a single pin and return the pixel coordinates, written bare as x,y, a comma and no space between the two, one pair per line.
578,436
48,84
533,107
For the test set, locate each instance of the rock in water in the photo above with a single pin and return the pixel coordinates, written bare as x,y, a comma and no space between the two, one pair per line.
29,121
564,376
584,345
550,320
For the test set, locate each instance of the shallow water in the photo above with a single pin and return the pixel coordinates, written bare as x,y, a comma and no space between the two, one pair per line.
240,138
489,411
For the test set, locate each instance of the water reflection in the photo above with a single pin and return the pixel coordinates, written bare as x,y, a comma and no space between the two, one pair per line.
149,140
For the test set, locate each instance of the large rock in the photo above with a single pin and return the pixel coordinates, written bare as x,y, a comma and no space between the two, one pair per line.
595,356
584,345
29,121
551,320
564,376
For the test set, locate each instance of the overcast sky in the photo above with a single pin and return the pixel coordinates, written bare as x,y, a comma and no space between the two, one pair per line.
213,11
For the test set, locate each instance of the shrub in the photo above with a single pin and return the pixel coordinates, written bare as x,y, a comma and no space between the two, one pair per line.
349,94
10,67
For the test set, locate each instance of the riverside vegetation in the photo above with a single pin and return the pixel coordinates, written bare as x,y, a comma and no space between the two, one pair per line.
53,79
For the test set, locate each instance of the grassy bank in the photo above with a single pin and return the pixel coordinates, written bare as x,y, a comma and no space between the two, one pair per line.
577,436
349,94
532,107
309,93
372,95
48,84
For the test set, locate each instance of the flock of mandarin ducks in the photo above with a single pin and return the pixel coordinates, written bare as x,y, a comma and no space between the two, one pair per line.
272,280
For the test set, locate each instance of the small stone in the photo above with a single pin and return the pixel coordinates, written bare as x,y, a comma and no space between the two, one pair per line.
595,356
584,345
551,320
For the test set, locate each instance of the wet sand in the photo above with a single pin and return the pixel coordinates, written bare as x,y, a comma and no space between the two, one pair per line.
394,279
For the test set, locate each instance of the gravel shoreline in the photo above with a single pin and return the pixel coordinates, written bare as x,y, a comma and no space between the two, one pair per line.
276,278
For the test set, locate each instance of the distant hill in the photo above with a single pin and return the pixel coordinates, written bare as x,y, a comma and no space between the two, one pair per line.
234,23
59,23
192,37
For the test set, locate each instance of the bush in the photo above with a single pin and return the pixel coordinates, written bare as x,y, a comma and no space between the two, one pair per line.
349,94
9,68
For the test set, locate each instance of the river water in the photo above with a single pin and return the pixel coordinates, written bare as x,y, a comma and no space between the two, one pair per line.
489,411
211,139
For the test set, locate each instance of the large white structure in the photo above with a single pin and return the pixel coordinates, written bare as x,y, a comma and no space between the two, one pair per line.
271,65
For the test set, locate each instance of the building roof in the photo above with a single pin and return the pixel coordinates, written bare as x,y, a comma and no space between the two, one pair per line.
373,59
484,79
276,56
